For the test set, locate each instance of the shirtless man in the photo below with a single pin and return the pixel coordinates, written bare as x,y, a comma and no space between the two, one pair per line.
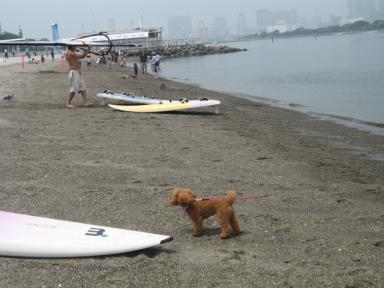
77,84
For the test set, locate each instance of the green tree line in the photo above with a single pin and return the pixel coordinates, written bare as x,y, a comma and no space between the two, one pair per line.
358,26
6,36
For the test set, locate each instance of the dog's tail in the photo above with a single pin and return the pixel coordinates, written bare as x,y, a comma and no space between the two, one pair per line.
230,198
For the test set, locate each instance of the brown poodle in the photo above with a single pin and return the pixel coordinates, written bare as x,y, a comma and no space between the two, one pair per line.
200,209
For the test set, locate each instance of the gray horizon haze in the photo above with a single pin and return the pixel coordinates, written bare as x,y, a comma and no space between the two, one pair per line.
74,17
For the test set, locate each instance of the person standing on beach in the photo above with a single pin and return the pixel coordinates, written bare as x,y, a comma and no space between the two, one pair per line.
89,61
77,83
110,62
136,69
143,61
155,61
53,55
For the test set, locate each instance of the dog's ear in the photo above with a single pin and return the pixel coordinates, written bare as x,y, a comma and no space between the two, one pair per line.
185,199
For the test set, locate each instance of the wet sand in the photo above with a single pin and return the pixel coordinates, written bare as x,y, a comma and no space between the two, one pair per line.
321,224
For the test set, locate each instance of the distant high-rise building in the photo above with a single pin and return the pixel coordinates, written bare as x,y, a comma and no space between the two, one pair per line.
111,24
362,8
141,22
380,4
20,32
315,22
241,24
203,31
289,16
267,18
334,20
303,22
179,27
264,18
380,9
55,31
220,29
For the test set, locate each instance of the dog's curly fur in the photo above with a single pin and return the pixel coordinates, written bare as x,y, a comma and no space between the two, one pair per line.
200,209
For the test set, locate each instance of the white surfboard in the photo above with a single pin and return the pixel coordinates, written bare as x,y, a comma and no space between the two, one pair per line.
173,106
29,236
131,98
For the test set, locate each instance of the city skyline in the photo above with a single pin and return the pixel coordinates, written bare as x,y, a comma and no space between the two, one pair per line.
90,18
36,19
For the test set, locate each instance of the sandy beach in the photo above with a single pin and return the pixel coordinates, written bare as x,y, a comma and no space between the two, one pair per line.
321,224
9,61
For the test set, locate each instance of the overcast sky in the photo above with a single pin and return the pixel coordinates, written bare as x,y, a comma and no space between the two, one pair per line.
75,17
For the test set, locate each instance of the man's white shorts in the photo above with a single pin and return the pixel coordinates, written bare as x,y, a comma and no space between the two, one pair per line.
76,82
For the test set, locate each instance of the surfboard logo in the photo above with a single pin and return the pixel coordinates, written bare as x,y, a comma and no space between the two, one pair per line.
96,232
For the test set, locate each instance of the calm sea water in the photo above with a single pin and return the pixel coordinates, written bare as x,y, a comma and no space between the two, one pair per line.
341,76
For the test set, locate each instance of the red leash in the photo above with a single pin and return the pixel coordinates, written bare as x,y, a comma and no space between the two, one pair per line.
248,197
251,197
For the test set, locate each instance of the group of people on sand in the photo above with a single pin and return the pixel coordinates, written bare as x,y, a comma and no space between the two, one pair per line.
31,58
34,59
77,84
6,54
153,58
144,57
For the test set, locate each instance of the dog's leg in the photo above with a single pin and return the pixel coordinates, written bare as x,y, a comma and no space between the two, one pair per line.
197,229
235,224
225,226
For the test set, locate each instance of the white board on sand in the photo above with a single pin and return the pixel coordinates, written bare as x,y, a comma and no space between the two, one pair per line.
131,98
29,236
174,106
